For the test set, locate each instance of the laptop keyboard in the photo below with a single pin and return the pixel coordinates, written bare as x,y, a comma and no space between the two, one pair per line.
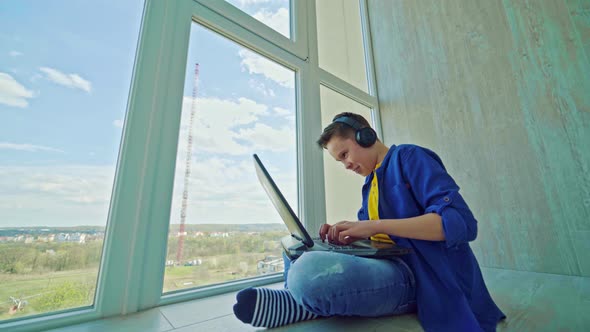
332,245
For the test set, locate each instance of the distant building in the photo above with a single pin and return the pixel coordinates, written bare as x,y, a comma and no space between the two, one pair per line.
42,238
270,264
77,238
99,235
62,237
193,262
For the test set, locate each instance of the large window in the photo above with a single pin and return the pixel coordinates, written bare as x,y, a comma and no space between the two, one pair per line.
222,225
167,162
63,91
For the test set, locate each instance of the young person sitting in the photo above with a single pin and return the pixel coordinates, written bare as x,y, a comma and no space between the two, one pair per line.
409,199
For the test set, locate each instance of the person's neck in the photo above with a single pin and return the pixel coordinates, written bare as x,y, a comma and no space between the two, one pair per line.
382,150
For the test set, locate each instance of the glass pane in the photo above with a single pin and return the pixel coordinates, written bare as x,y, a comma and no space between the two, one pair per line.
343,187
340,41
222,225
274,13
63,92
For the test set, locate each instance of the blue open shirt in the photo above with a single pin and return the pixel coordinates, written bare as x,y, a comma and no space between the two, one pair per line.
451,293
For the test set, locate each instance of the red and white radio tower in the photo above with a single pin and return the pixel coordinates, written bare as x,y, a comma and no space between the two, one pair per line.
187,172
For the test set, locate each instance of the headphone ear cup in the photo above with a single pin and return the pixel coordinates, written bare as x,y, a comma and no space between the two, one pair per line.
366,137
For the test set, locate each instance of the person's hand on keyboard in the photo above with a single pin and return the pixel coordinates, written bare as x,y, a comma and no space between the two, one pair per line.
346,232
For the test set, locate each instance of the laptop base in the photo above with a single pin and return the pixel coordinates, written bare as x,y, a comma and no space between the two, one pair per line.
363,248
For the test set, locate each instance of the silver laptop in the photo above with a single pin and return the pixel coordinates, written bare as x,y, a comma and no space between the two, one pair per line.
299,241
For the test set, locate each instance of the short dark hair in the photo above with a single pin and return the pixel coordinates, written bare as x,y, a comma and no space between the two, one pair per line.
340,129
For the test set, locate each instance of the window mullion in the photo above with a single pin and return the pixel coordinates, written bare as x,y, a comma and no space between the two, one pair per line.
370,65
311,175
137,233
347,89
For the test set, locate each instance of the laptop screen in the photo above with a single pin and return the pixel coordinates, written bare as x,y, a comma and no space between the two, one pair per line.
278,200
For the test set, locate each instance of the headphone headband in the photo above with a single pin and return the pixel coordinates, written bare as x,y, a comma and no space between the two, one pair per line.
349,121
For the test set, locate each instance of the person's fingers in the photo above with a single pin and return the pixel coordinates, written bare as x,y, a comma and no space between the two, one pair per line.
330,233
344,237
333,234
324,229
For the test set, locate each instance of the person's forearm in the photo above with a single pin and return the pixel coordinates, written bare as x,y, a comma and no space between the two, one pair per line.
425,227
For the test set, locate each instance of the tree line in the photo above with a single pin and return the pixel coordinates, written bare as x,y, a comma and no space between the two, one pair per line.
236,244
20,258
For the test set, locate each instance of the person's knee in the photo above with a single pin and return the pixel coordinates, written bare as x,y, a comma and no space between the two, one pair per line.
313,276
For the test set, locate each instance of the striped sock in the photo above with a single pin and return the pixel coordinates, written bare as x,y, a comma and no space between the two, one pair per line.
263,307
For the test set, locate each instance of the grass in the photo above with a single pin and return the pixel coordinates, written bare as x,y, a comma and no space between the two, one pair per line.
221,268
31,287
222,260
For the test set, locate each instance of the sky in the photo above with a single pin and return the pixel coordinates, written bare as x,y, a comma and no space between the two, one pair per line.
65,72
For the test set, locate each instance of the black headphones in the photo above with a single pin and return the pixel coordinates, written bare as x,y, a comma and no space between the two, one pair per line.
365,137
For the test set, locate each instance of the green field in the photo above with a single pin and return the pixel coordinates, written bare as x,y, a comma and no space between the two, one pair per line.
218,269
75,288
47,291
46,277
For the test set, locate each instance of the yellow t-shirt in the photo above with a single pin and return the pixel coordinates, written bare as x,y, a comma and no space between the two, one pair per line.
373,206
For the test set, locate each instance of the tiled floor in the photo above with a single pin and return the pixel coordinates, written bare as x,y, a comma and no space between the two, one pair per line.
532,302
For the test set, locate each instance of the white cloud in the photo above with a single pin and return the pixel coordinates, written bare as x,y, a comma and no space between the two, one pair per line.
235,128
14,53
220,190
62,195
260,87
70,80
227,191
223,186
13,93
27,147
216,120
278,20
287,115
264,137
75,187
118,123
252,2
282,112
256,64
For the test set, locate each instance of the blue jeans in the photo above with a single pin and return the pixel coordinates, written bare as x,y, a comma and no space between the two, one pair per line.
329,284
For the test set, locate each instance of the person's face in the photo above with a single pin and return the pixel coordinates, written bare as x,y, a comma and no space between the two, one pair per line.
354,157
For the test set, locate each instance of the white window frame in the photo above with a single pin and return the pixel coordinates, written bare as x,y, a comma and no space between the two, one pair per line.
297,44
